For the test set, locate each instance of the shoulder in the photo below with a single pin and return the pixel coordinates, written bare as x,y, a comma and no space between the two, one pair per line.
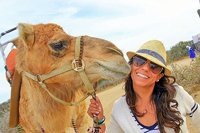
120,104
120,101
183,97
180,91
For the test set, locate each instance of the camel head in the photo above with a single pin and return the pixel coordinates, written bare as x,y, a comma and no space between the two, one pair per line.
43,48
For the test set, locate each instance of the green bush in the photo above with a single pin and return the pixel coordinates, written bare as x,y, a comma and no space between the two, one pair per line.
178,51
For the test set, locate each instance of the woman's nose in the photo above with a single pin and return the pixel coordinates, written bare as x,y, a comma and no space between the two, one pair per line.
146,66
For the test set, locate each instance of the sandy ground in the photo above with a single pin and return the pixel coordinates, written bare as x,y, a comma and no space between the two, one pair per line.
195,92
183,62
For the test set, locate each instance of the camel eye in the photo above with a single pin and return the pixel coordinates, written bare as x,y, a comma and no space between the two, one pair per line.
58,46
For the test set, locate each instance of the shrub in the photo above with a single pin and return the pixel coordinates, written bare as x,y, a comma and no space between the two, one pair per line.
189,74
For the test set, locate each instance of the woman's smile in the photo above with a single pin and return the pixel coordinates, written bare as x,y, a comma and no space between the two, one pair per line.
142,75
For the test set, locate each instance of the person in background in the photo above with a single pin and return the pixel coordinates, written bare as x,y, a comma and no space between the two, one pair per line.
191,52
153,102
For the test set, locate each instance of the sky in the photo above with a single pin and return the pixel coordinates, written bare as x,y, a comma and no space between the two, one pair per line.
126,23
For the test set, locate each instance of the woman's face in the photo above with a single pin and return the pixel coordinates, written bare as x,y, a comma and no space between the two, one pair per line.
145,73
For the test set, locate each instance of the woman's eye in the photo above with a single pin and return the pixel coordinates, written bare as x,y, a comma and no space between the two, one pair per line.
58,46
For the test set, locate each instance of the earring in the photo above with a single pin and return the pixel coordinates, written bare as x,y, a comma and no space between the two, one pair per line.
157,80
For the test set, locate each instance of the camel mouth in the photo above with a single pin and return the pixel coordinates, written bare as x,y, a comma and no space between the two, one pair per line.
113,74
104,84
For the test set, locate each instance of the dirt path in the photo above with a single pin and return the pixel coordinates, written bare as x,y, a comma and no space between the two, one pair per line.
183,62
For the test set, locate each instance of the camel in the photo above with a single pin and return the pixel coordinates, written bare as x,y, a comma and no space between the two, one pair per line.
44,48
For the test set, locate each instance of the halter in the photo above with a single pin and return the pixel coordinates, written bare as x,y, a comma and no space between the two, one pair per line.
77,65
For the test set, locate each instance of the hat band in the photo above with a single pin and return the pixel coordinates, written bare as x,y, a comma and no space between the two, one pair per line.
152,53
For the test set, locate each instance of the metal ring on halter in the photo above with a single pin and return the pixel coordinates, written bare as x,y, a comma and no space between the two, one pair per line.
78,65
38,78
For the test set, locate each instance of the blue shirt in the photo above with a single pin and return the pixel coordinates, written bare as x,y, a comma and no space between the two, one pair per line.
192,53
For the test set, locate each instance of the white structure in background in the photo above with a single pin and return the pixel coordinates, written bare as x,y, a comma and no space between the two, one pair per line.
196,42
196,38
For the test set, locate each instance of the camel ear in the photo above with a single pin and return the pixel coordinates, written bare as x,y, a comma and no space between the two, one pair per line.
26,34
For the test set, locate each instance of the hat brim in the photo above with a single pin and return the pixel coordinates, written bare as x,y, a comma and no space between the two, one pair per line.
167,70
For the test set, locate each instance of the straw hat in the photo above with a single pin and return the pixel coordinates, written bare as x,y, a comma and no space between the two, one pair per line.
154,51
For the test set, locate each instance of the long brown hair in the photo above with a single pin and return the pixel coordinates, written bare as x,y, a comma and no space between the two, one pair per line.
163,97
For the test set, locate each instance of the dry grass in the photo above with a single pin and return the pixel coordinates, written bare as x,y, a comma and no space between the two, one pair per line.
187,74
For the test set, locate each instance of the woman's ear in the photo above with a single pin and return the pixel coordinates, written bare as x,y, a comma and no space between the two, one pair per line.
160,76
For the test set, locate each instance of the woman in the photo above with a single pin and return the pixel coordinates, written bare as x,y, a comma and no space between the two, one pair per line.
153,102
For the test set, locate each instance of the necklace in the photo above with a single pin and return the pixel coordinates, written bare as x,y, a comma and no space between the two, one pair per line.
148,109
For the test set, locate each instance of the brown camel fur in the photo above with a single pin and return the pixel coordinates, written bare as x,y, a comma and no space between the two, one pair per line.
42,48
